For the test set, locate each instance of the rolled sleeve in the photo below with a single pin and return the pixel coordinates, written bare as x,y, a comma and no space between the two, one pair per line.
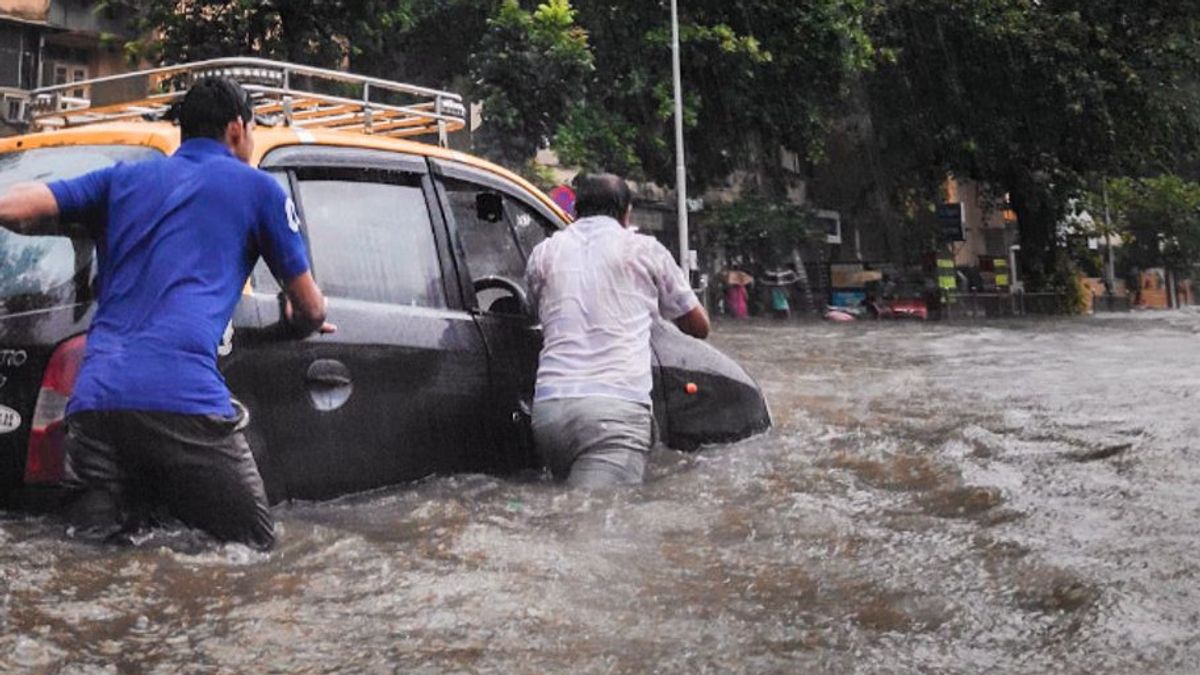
279,240
675,294
82,196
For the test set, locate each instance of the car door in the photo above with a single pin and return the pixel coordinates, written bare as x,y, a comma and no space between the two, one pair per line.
495,227
395,393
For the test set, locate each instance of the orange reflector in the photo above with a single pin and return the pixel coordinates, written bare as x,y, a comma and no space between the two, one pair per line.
691,388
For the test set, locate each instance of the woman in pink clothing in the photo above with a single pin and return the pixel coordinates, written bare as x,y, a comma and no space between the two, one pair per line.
736,282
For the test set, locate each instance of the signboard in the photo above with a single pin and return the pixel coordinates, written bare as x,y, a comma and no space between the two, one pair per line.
947,277
564,196
1001,267
951,217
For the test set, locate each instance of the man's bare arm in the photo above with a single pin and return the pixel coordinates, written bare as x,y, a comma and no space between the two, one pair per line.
29,208
695,322
305,309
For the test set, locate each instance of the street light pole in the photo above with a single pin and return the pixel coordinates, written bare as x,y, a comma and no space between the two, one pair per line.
1110,276
680,167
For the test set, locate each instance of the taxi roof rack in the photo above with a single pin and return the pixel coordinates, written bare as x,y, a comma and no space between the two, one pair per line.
284,94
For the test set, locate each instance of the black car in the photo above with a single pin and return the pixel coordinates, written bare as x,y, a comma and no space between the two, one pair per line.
421,253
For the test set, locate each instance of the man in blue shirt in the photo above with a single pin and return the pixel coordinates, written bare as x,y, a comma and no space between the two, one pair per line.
151,422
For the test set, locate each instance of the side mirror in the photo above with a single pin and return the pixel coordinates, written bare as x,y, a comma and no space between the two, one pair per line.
489,207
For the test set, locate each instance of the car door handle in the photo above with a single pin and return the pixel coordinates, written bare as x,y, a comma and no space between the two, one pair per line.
329,384
327,379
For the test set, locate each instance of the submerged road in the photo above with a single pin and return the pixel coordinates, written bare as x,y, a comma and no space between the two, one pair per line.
1009,497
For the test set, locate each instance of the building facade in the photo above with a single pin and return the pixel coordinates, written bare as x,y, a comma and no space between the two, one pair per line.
50,42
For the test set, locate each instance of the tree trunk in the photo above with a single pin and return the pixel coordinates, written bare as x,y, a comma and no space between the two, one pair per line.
1037,215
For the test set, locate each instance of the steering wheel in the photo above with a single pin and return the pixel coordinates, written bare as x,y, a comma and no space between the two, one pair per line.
517,303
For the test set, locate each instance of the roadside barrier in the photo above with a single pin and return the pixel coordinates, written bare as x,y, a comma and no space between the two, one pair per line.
995,305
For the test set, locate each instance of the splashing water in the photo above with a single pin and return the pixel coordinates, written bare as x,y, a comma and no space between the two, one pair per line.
1017,497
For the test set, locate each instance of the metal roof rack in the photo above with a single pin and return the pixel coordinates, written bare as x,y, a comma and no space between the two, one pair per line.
283,93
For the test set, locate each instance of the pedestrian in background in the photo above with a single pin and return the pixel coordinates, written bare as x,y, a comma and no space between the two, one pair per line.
736,294
778,282
597,287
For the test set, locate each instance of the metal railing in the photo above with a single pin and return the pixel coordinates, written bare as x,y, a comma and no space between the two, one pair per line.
1103,302
283,93
993,305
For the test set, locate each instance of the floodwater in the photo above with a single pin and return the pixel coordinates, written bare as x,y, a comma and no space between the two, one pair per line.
1017,497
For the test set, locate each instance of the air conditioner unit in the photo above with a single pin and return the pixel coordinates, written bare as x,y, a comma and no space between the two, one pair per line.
15,107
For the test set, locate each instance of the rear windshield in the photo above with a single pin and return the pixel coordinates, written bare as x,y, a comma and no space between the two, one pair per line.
43,272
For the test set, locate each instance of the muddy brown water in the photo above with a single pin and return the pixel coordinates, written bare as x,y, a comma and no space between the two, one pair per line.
1005,497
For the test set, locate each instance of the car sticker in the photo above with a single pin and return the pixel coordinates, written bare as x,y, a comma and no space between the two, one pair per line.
225,348
10,420
13,358
292,215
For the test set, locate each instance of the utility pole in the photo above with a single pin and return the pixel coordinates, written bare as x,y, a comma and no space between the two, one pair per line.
1110,276
680,167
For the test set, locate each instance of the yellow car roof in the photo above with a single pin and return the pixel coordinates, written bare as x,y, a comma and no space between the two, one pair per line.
165,137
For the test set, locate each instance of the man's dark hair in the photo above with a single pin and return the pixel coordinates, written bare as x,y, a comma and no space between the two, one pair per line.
210,105
601,194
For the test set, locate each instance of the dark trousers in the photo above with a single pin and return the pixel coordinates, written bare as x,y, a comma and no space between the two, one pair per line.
124,464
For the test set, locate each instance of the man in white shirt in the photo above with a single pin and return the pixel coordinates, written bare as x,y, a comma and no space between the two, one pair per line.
597,286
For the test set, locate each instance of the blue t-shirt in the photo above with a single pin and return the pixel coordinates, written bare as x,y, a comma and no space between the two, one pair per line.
176,239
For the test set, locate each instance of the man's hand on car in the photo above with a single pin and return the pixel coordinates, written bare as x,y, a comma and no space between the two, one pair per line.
304,307
301,327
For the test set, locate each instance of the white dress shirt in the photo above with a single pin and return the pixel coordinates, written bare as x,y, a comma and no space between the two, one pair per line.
596,287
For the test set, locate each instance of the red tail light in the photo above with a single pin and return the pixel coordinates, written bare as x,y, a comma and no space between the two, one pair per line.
44,463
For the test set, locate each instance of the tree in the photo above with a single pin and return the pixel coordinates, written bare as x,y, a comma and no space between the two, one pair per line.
432,46
528,69
756,77
1158,219
1031,97
761,229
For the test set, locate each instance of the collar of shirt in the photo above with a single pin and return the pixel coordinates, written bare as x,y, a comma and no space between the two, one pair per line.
199,147
597,223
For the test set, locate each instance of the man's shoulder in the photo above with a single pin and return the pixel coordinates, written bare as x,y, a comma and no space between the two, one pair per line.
248,177
648,246
140,168
555,240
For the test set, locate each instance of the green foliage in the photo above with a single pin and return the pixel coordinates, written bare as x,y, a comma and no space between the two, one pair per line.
529,69
1027,97
755,76
319,32
540,175
761,229
1077,294
594,139
1030,97
1158,219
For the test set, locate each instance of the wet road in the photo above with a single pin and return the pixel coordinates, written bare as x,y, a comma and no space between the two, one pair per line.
1008,497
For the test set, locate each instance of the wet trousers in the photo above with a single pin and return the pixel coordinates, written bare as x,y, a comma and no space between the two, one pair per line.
595,441
124,464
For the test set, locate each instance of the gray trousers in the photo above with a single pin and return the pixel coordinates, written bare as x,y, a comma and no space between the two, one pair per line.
593,442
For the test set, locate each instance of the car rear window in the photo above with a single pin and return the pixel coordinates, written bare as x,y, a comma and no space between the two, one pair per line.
48,271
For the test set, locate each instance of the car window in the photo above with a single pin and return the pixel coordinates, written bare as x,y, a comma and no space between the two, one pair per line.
48,271
487,241
530,226
370,236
